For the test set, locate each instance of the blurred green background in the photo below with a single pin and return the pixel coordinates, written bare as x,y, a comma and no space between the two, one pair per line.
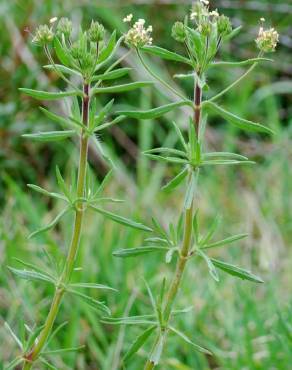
246,326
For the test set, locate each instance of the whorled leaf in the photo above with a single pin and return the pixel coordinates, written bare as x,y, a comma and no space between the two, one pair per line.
134,252
50,135
154,113
236,271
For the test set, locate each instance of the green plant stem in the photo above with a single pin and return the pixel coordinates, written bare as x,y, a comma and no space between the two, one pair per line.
158,78
34,353
223,92
185,247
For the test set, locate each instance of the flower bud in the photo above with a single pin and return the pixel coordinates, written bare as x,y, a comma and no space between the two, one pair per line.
205,28
96,32
76,50
64,27
43,35
267,40
224,25
178,32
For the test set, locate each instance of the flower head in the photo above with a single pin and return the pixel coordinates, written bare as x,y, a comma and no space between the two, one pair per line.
43,35
64,27
267,40
139,36
224,25
96,32
178,32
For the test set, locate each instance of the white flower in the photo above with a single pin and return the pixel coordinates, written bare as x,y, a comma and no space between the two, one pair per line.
138,35
214,13
53,20
193,15
267,40
128,18
262,20
206,2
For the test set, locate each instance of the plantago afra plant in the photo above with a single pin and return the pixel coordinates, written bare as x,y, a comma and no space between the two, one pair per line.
202,34
86,64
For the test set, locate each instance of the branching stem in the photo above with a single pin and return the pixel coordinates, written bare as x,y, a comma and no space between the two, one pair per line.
35,351
185,247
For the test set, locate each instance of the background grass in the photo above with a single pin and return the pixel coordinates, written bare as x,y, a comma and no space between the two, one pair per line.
246,326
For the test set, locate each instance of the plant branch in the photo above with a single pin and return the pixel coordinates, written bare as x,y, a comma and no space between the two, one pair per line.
177,93
223,92
35,351
185,247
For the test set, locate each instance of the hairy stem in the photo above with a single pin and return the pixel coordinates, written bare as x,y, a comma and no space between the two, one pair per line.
185,247
35,351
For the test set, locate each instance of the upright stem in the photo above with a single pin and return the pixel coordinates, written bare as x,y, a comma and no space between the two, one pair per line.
35,351
186,244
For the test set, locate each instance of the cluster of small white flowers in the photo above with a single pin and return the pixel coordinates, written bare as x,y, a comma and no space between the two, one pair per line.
128,18
203,10
267,40
138,35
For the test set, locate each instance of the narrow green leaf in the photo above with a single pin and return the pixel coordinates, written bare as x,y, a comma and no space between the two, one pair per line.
12,365
211,267
112,75
236,271
31,275
176,181
103,113
45,192
113,52
219,155
216,162
191,191
138,343
34,267
165,54
235,120
167,159
45,362
50,225
91,286
223,242
180,136
232,34
104,183
211,231
91,301
44,95
63,56
186,339
13,335
56,331
156,112
62,184
241,63
111,123
155,356
63,350
33,337
50,135
106,52
167,150
63,69
132,320
121,88
120,219
56,118
133,252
